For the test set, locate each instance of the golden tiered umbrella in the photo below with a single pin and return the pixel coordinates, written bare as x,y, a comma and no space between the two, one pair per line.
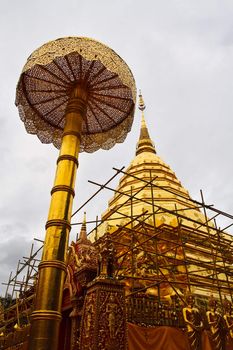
79,95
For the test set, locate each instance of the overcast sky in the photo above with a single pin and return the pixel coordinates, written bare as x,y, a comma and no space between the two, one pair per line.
181,55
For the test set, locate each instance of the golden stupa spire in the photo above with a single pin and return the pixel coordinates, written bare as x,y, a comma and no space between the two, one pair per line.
83,231
145,144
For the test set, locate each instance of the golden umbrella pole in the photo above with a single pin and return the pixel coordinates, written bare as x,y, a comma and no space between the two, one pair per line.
67,87
46,317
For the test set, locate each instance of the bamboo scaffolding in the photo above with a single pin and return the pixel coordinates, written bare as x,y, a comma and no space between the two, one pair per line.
206,250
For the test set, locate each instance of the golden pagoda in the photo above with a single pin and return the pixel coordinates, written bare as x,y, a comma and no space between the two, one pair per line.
154,274
165,192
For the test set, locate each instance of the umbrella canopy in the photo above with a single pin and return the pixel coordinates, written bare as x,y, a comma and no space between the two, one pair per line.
51,73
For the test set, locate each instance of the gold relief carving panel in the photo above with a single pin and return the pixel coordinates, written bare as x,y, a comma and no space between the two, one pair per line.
104,319
112,321
88,333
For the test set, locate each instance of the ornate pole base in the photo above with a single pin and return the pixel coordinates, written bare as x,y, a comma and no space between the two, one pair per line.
104,317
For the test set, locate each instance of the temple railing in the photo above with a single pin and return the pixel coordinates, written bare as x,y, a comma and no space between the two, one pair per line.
148,311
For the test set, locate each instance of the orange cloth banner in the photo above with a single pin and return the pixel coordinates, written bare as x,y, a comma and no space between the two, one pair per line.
156,338
162,338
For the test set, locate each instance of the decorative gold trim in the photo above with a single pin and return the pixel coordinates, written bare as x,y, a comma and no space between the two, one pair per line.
74,133
40,315
68,157
76,105
54,264
58,222
63,188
